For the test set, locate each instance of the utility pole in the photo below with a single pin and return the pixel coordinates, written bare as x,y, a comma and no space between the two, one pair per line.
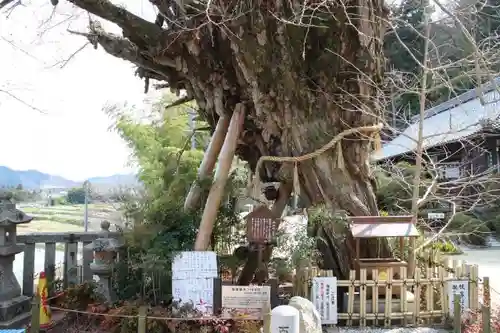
86,211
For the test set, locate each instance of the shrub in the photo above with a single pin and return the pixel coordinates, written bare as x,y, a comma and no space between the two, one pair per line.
469,229
60,201
473,322
76,195
445,247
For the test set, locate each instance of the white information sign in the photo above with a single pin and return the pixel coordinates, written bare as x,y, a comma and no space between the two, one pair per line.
436,216
458,287
194,265
199,292
247,301
324,298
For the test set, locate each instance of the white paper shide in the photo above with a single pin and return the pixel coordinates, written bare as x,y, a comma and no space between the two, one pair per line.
324,298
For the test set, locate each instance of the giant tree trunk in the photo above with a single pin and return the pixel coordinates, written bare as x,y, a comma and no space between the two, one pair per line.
304,70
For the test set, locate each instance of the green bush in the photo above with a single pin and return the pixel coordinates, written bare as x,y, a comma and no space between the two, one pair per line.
445,247
495,225
76,195
160,226
469,229
60,201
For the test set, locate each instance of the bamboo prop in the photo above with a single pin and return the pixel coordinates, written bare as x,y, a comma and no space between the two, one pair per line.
221,175
208,163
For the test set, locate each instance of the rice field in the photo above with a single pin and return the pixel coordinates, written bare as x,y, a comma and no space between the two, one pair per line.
68,218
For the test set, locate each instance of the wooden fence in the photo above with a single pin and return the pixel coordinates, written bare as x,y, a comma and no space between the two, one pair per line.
397,300
365,299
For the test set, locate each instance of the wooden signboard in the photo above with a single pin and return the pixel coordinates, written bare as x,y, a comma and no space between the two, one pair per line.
245,301
261,226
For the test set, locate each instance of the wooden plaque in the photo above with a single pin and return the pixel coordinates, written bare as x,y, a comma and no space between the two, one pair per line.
261,226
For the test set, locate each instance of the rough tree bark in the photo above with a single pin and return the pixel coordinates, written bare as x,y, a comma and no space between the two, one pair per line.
305,71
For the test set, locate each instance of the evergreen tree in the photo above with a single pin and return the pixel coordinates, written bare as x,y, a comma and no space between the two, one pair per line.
404,48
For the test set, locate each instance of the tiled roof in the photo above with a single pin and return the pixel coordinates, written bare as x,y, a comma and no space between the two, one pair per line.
448,122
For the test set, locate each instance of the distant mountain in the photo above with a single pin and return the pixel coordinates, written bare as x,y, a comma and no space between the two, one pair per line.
33,179
118,179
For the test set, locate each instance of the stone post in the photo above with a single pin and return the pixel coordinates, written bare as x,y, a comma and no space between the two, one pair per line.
105,251
15,308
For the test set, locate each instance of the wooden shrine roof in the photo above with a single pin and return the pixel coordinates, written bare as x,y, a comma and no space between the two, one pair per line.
383,226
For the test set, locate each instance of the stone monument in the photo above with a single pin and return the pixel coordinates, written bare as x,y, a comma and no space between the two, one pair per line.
14,307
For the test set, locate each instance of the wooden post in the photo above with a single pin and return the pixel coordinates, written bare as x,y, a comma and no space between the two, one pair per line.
486,292
486,308
141,325
35,314
221,175
486,318
457,314
267,318
208,162
273,283
411,258
217,301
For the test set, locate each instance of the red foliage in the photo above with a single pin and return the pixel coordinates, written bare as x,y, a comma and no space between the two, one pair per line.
472,322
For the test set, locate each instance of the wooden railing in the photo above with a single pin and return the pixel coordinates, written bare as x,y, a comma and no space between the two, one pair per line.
74,271
15,295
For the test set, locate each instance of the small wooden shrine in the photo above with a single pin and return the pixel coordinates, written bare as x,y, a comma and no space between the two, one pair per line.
401,227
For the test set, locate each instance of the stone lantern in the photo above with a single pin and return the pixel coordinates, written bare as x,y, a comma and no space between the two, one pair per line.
105,250
14,307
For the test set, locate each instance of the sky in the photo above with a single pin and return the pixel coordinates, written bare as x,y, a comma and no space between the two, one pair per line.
64,130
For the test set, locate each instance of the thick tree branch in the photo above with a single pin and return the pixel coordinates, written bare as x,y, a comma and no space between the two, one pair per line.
121,48
135,28
4,3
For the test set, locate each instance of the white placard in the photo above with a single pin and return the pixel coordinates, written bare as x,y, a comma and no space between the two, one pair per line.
200,292
458,287
437,216
324,298
194,265
245,301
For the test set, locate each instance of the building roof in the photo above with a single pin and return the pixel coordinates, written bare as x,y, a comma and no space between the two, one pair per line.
456,119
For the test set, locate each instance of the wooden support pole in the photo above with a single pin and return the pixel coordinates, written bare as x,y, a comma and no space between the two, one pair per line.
221,175
411,258
208,163
486,307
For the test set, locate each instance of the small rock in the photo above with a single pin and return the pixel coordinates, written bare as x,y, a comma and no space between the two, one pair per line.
310,320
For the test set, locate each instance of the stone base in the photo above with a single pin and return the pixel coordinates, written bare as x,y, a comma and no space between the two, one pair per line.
15,313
